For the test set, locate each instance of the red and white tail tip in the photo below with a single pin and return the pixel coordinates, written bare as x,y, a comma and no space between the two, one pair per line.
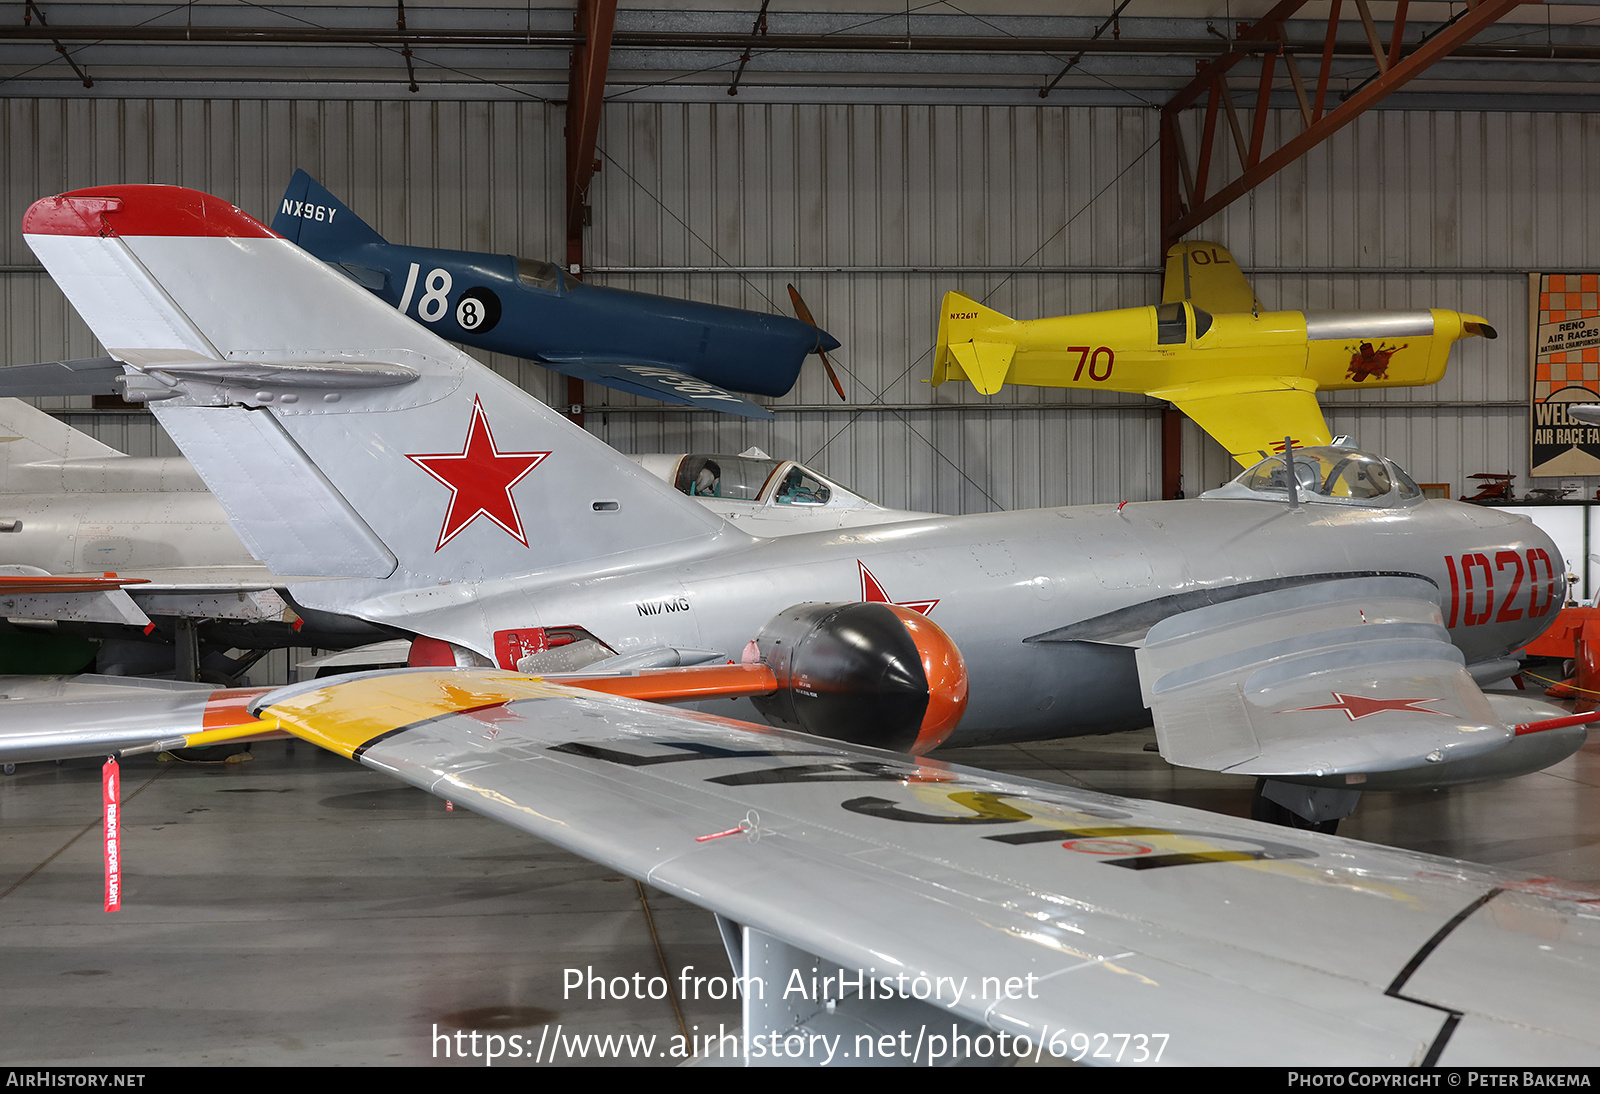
138,210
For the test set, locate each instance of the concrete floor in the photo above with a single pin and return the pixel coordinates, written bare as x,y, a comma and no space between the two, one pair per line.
302,909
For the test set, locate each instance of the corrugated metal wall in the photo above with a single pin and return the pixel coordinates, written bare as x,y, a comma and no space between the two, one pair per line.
1469,197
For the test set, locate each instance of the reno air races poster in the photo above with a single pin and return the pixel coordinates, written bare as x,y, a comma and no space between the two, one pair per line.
1565,321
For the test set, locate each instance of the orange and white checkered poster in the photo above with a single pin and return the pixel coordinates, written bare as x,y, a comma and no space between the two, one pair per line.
1565,325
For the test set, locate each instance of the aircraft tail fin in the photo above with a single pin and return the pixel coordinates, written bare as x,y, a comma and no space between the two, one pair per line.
343,439
312,218
1206,275
972,344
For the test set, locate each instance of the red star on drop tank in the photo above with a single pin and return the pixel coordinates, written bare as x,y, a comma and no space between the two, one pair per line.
480,478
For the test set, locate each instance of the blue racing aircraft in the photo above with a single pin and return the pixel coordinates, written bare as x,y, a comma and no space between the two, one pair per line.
679,351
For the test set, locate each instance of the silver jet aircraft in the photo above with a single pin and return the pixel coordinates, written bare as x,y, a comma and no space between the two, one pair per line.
1319,625
127,549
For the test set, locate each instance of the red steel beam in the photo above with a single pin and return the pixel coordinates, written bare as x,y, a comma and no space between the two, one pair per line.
586,87
1258,124
1266,28
1211,76
1327,62
1436,48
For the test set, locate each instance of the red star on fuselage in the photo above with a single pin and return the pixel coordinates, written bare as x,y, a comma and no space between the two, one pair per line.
872,593
1359,706
480,478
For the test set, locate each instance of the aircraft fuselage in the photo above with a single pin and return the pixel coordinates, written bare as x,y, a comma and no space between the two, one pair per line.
1130,351
1044,603
526,309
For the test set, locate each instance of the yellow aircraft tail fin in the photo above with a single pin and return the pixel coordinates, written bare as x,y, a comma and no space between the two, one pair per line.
1251,415
1206,275
968,346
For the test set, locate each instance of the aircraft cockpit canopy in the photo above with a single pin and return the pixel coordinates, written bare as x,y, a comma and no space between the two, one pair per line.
539,275
1173,324
742,478
1326,473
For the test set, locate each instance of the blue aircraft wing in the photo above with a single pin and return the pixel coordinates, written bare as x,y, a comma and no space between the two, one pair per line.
659,382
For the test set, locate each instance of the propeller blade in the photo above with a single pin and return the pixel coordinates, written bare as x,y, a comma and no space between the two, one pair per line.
832,376
800,309
803,313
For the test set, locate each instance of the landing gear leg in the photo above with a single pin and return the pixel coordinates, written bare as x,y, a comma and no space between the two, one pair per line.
1308,808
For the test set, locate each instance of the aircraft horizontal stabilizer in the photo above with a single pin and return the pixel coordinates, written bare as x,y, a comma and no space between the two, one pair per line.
94,376
985,363
78,599
1350,677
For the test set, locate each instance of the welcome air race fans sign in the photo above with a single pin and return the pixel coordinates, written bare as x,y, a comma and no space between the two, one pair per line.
1565,322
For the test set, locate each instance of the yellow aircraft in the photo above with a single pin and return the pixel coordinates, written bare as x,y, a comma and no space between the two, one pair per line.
1246,376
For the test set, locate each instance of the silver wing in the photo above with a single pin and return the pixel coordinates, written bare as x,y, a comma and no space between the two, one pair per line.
1015,907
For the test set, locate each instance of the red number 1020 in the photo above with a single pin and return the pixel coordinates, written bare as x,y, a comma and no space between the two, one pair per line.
1472,580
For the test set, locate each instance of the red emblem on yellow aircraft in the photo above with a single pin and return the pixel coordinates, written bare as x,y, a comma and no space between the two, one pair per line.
1369,363
480,478
872,593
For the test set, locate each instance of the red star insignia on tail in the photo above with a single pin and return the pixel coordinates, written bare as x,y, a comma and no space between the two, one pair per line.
1359,706
480,478
872,593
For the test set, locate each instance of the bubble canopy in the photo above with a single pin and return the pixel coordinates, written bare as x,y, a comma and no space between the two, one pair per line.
1327,473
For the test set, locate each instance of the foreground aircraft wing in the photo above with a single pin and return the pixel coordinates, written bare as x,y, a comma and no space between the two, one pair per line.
1095,927
660,382
1251,415
60,718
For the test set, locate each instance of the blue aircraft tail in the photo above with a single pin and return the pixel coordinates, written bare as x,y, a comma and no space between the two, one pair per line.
318,222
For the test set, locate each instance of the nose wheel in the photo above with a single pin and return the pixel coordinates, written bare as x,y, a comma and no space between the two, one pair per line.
1320,803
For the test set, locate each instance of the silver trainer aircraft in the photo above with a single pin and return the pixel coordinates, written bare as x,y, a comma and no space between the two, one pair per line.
1321,627
927,912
